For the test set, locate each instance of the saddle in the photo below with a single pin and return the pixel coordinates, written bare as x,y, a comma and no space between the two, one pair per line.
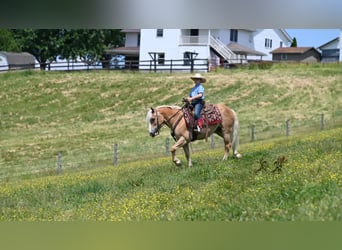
209,113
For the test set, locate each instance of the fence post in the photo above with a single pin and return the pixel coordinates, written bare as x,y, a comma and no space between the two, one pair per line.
171,66
167,146
287,127
252,132
115,160
212,145
59,162
322,121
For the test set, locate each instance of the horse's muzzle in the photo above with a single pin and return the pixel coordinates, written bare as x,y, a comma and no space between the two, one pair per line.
154,132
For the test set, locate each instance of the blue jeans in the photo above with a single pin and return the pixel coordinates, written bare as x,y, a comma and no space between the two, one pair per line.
197,109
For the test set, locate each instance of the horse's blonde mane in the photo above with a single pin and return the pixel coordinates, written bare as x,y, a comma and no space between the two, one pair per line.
149,113
169,106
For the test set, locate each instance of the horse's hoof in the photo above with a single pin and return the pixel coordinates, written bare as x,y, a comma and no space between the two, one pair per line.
238,156
178,163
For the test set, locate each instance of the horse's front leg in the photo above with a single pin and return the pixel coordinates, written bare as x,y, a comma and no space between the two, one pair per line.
180,143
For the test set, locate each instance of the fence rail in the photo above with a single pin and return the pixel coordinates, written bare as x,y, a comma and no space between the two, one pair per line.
118,153
248,134
145,65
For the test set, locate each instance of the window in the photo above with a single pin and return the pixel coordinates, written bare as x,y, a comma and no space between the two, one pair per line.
268,43
161,58
233,35
194,32
283,57
160,32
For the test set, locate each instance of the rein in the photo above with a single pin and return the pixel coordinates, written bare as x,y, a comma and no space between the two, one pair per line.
159,126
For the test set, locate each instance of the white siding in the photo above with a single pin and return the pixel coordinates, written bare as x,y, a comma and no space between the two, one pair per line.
275,35
169,44
245,38
332,45
131,40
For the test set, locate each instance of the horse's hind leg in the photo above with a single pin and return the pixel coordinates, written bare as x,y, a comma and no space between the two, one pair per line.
227,145
227,141
187,154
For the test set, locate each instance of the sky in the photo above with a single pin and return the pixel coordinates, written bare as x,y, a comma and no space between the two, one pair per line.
313,37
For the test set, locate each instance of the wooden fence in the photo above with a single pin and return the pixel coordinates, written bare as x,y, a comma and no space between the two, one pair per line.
286,131
172,65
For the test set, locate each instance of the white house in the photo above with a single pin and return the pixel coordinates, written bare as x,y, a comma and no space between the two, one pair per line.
162,47
332,50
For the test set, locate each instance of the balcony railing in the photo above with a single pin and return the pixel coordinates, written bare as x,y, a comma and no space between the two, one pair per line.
194,40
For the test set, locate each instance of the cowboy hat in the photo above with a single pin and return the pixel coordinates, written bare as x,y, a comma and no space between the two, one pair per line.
198,76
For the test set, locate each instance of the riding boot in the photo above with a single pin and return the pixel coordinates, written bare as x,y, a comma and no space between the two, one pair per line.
200,123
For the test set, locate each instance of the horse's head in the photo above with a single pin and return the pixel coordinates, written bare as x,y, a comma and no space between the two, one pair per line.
155,122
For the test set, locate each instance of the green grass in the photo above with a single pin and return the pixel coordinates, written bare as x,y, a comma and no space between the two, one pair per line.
83,114
308,187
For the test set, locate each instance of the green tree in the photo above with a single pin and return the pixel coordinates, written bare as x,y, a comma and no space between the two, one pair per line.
44,44
114,38
7,41
294,42
86,44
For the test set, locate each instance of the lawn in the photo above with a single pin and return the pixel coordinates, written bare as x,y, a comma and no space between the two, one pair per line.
83,114
305,187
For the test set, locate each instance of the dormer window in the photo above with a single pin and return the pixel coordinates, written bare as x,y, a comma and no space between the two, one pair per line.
160,32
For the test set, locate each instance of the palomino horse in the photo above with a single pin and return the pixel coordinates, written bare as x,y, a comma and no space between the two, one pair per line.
173,117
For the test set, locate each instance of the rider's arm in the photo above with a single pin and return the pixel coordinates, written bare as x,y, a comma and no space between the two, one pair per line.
199,96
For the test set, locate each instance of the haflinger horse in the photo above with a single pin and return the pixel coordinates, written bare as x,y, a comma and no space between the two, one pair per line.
173,117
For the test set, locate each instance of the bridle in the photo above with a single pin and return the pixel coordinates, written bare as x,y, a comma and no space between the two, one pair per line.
160,125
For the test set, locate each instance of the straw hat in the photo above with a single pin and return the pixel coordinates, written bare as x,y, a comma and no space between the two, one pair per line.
198,76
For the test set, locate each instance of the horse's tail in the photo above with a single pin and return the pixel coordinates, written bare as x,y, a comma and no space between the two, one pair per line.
235,135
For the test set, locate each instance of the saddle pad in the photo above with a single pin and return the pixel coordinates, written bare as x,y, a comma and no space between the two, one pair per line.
209,113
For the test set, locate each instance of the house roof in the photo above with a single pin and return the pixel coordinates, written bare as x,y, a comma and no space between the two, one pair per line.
286,34
292,50
123,51
21,58
130,30
240,49
328,43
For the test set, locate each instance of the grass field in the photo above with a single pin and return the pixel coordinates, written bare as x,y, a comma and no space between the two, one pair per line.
82,114
306,187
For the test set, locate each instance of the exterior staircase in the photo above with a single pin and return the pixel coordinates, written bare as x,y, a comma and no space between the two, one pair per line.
224,51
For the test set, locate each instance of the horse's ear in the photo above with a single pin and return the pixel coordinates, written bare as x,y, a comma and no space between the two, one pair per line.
152,110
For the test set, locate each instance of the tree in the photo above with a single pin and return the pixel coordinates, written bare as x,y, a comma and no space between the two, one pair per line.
87,45
7,41
294,42
72,44
44,44
113,38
